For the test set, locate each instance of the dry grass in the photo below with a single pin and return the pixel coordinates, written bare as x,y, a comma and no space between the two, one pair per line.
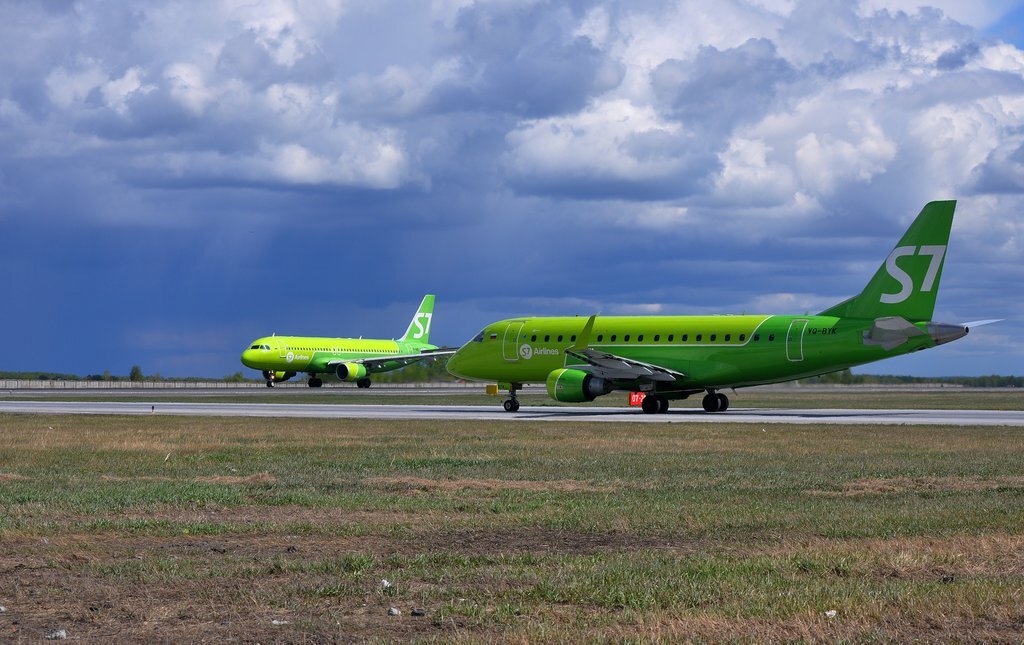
176,529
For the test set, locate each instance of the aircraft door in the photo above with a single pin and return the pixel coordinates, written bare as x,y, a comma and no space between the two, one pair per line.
510,344
795,340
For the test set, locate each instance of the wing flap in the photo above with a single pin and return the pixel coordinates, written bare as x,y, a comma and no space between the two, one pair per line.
615,367
374,361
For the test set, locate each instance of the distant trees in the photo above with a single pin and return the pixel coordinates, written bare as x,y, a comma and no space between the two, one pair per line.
135,375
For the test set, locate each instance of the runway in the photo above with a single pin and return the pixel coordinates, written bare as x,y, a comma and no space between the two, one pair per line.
526,413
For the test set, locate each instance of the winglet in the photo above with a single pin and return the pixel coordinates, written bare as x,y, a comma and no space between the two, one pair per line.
583,340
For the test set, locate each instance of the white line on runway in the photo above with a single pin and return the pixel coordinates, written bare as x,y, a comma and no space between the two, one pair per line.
532,413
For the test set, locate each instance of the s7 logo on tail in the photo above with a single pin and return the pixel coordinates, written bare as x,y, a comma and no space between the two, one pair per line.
936,253
422,330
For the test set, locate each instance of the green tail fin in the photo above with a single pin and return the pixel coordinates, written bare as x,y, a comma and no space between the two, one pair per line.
419,326
907,282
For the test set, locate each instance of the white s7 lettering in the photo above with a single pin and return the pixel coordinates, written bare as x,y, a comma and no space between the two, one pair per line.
419,325
936,253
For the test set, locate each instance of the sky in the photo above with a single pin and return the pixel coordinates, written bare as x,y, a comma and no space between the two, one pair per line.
179,178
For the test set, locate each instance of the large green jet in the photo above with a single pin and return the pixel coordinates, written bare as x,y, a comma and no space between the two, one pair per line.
352,359
674,357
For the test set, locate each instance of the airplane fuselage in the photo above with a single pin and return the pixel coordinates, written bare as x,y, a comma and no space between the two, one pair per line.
711,351
312,354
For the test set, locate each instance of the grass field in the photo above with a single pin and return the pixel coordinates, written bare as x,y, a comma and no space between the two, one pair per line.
185,529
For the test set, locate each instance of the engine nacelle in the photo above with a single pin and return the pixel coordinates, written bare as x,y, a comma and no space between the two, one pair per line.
576,386
351,371
277,377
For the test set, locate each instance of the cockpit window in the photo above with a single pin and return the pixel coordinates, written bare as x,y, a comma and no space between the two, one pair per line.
479,338
266,347
255,347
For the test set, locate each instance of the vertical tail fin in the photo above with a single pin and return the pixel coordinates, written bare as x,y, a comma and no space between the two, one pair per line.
419,326
907,282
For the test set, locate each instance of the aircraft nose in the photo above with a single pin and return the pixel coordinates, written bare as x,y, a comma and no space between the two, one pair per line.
247,357
457,363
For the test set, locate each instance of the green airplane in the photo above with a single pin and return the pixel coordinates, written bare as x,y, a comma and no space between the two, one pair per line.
352,359
674,357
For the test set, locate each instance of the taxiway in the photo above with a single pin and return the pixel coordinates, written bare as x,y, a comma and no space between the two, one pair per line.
526,413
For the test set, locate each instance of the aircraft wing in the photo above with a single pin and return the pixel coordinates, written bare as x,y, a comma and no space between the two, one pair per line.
614,367
375,361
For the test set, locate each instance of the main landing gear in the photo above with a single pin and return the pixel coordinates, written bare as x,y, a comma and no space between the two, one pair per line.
654,404
715,402
511,404
363,383
270,383
315,382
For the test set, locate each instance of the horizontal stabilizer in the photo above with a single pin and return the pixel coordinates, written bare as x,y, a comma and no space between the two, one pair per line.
891,332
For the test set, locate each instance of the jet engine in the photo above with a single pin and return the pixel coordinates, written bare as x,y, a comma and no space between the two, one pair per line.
277,377
351,371
576,386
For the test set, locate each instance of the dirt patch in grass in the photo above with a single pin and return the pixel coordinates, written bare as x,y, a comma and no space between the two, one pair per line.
418,483
897,485
287,516
11,477
148,478
258,478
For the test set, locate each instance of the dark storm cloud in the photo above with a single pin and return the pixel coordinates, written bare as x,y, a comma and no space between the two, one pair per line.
523,59
957,57
720,90
1002,172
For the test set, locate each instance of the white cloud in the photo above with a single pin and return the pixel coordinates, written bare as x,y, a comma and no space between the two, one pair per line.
117,92
823,161
188,86
351,156
749,175
593,143
66,87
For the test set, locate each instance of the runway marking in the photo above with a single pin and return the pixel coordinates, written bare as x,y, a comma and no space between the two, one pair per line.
533,413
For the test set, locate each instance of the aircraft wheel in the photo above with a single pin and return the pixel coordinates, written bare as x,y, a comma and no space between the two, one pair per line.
315,382
270,384
363,383
651,404
711,402
662,405
511,405
723,402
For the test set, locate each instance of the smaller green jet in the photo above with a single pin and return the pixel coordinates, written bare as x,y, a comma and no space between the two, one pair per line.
352,359
674,357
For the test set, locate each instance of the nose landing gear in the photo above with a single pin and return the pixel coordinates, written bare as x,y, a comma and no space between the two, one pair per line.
511,404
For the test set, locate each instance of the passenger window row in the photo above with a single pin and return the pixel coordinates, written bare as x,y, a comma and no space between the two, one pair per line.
657,338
